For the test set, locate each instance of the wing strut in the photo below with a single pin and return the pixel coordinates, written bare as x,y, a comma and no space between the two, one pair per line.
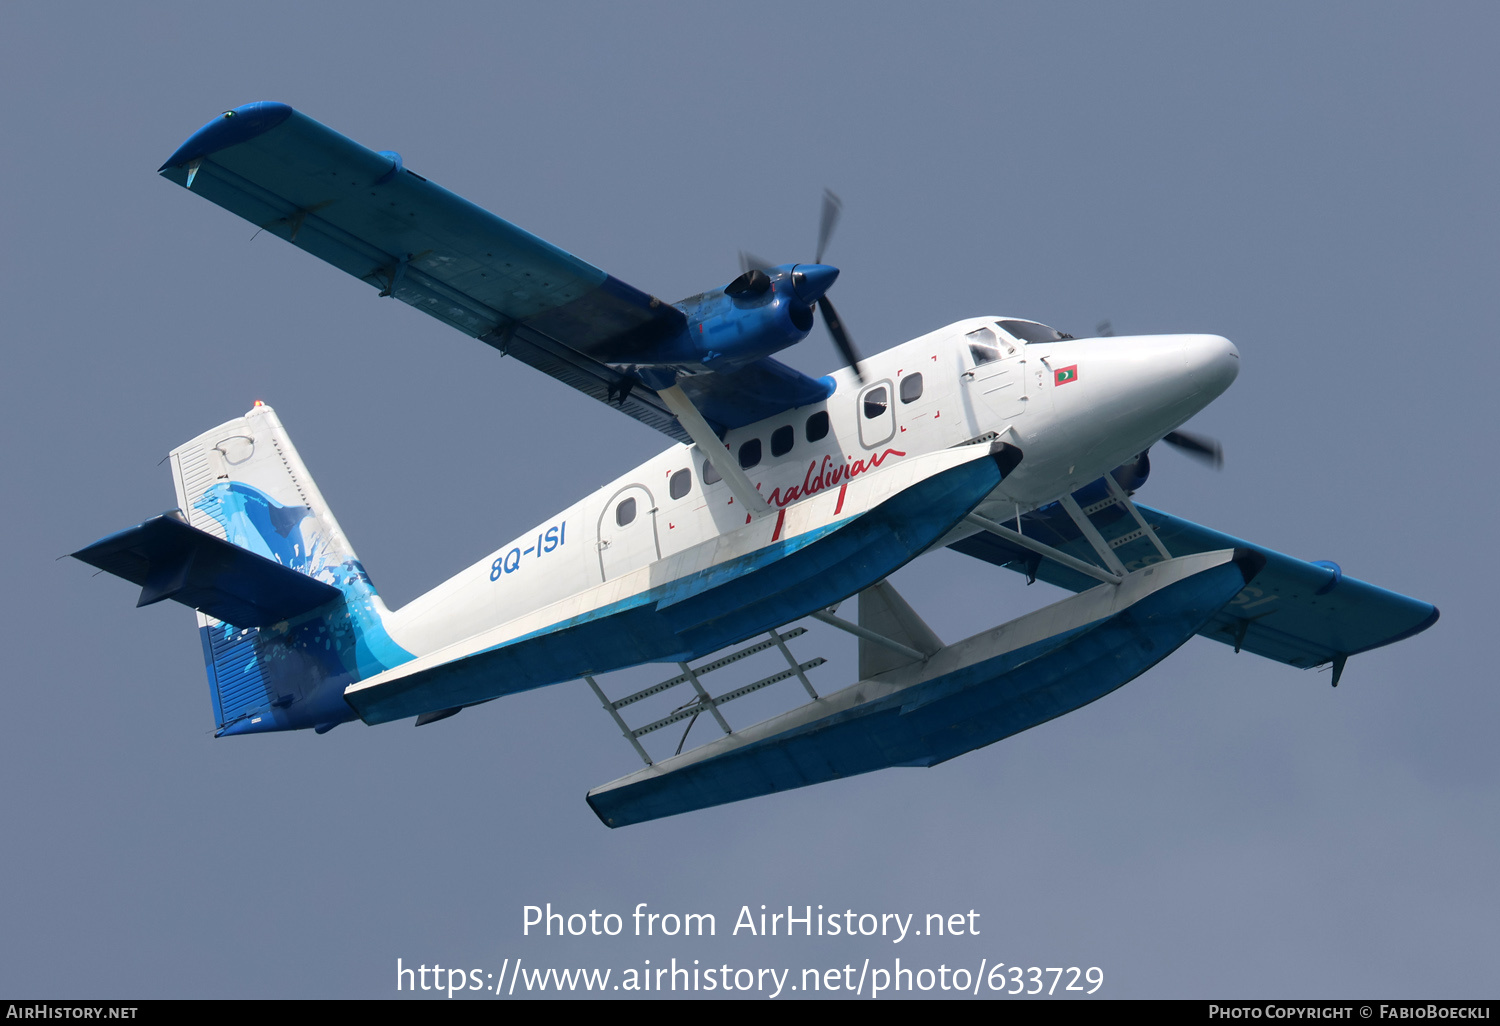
703,436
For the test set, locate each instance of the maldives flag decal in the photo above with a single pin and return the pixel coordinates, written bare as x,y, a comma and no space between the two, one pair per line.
1063,375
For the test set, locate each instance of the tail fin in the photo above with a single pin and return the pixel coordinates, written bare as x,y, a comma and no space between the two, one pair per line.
244,482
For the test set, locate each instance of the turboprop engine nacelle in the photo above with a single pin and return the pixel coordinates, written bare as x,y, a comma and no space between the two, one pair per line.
759,313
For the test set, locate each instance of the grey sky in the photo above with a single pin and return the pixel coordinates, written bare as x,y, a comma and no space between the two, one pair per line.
1315,181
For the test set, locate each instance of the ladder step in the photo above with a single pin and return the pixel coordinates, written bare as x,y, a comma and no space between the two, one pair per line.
698,707
682,678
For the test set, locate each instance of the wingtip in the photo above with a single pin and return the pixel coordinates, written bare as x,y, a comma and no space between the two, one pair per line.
230,128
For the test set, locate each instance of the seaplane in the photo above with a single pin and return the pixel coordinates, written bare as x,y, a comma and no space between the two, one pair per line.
781,497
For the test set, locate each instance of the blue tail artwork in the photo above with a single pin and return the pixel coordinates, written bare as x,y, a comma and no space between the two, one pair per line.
292,674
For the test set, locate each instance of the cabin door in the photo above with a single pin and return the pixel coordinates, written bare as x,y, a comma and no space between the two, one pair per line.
627,532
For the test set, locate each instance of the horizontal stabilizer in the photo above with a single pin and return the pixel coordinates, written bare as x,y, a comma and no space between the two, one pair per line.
172,560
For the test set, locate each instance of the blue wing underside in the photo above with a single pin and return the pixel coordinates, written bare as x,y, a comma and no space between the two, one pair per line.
366,214
1295,612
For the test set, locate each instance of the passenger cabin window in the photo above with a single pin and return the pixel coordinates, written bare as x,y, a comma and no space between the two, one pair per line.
878,423
625,512
710,473
817,426
781,440
911,388
680,484
750,453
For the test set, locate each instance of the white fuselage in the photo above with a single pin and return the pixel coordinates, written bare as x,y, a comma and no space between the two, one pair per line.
1076,408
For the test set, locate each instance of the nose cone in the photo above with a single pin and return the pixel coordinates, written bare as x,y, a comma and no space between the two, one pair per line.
1212,362
1113,397
810,281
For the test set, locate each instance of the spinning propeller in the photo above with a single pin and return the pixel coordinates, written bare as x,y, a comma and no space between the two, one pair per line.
1199,447
753,266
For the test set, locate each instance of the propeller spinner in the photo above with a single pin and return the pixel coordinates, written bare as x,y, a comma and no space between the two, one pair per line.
809,281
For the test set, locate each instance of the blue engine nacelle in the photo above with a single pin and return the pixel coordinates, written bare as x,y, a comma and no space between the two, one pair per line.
759,313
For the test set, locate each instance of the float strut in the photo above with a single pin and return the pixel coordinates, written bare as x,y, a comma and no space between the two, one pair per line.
1140,521
1091,532
1042,549
869,635
619,720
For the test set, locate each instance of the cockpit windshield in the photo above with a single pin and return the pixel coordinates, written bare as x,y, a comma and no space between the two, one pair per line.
1031,331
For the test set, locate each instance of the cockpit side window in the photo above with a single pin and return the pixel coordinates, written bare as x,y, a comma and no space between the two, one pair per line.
986,347
1031,331
983,354
982,346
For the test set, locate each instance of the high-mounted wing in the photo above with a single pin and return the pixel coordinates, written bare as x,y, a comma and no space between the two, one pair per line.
368,215
1295,612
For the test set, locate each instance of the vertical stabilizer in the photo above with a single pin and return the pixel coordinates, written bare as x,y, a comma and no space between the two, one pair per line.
244,482
243,476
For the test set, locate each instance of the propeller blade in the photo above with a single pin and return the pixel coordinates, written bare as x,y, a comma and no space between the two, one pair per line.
840,337
832,208
754,282
1104,330
1208,450
751,262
